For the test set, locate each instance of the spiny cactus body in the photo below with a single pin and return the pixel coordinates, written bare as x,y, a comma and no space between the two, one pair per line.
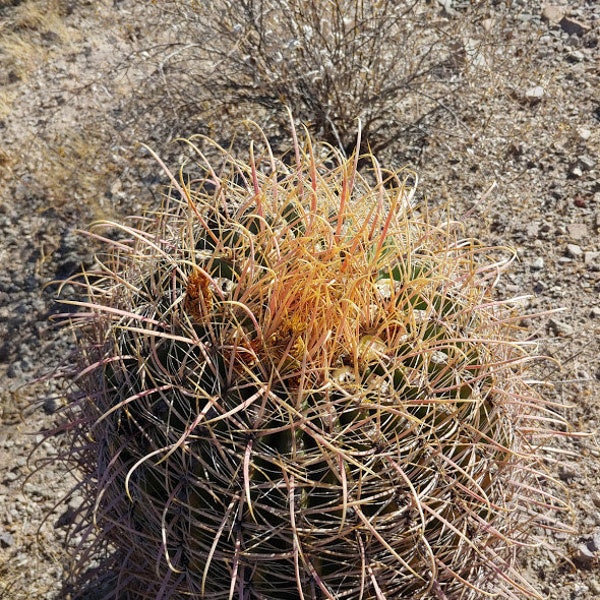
294,386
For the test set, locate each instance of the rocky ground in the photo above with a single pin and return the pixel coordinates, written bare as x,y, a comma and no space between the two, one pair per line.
75,101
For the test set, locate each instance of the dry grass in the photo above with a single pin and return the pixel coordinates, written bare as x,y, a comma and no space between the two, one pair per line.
39,15
6,100
20,54
72,164
24,34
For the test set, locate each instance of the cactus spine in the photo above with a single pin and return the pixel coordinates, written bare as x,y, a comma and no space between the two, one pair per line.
295,386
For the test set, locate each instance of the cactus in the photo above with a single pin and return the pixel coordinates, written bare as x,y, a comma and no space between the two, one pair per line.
293,385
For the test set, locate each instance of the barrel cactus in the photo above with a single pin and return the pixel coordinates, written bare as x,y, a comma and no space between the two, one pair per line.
292,384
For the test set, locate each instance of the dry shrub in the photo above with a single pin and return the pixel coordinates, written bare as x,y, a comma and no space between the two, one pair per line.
398,66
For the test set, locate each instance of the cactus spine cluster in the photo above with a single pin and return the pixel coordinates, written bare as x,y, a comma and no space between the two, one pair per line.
295,386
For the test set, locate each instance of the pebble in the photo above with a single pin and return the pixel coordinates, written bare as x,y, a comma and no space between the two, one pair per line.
588,548
53,403
552,14
577,231
576,171
535,94
584,134
9,477
587,163
561,329
573,251
19,461
591,258
580,591
75,502
6,539
575,56
538,264
594,587
532,230
573,27
567,473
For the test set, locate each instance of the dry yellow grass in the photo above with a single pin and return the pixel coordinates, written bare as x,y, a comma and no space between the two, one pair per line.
26,35
20,54
67,165
39,15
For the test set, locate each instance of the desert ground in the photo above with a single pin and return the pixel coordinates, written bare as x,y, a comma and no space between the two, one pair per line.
514,154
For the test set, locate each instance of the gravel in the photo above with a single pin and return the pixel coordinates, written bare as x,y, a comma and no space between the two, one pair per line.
539,142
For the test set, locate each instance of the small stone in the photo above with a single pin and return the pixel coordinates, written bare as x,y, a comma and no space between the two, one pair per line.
116,189
595,314
532,229
577,231
573,251
9,477
561,329
587,163
588,548
6,539
535,94
553,15
573,27
447,6
14,371
538,264
559,535
51,37
580,591
591,259
75,502
576,171
575,56
52,404
584,554
566,473
594,587
584,134
488,24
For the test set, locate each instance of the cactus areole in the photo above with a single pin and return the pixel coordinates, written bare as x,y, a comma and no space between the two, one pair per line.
295,386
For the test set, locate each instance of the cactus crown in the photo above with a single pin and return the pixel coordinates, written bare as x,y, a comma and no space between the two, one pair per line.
295,386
